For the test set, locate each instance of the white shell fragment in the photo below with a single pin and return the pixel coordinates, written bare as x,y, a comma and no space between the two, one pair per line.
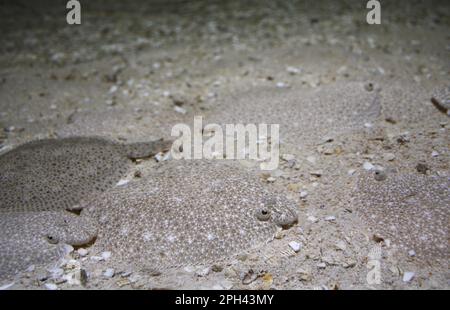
295,246
408,276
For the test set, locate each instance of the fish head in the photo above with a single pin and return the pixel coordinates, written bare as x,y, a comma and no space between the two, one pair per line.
69,228
278,211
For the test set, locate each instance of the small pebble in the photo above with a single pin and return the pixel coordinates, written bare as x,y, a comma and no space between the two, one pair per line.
408,276
312,219
321,265
434,154
126,273
134,278
109,273
304,275
226,284
295,246
6,286
287,157
162,156
330,218
123,282
51,286
68,248
113,89
411,253
280,234
82,252
189,269
303,194
106,255
293,70
282,85
203,272
56,272
368,166
96,258
122,182
217,287
340,245
389,156
30,268
271,179
180,110
351,172
311,159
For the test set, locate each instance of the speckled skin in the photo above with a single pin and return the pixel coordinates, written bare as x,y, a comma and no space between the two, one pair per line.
41,179
306,116
190,213
40,238
412,210
55,174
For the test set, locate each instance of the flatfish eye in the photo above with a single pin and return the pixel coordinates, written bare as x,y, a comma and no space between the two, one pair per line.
51,239
263,214
379,175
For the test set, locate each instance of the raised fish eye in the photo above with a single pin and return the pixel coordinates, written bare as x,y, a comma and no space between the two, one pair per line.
263,214
379,175
51,239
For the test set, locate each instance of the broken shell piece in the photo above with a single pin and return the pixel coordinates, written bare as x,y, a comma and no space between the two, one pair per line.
122,182
313,219
109,273
368,166
303,194
330,218
408,276
295,246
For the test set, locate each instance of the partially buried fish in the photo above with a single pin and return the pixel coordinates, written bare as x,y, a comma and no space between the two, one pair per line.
412,210
40,238
56,174
306,115
190,213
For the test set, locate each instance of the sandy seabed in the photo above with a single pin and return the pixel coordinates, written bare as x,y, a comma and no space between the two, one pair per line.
133,70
